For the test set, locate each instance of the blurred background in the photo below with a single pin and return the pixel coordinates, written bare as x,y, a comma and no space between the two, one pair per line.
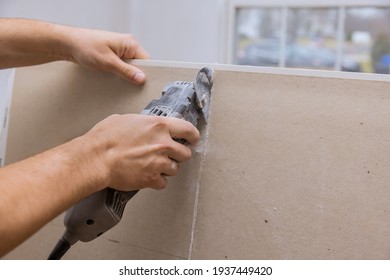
346,35
355,39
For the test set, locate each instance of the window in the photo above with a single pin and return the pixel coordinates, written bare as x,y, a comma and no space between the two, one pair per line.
367,38
340,35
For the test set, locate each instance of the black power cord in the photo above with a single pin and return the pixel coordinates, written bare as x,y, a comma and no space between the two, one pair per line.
59,250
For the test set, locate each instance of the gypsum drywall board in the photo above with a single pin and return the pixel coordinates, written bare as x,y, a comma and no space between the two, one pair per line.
296,164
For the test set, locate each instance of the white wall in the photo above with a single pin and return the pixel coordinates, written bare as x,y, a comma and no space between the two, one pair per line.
181,30
100,14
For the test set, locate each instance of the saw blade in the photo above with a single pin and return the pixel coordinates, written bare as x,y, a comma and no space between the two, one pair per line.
203,85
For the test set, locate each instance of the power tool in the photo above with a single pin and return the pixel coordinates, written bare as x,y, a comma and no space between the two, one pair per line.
99,212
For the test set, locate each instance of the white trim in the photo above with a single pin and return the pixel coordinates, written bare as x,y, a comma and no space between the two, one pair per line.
283,37
340,37
223,34
307,3
5,105
230,23
265,70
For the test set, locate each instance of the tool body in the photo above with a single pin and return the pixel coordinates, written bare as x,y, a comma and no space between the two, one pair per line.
102,210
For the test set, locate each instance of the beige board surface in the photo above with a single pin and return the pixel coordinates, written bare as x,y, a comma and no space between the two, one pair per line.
297,167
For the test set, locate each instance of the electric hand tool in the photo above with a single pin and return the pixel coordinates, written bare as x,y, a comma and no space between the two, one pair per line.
102,210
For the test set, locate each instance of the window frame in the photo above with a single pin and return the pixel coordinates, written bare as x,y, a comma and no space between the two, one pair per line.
228,50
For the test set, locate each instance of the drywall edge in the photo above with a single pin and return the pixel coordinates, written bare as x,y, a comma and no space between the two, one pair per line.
265,70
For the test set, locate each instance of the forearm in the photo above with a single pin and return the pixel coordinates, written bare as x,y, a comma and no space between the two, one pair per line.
36,190
26,42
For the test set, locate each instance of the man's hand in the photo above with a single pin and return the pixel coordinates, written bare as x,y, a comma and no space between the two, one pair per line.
138,151
25,42
125,152
106,51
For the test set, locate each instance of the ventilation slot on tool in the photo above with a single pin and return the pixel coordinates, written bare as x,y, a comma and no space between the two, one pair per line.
116,202
161,111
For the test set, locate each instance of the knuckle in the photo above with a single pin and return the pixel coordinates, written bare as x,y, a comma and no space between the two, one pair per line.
197,136
115,118
195,133
160,164
160,123
130,37
191,132
126,72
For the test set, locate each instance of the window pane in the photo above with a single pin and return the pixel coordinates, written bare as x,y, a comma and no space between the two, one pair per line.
311,38
367,39
258,36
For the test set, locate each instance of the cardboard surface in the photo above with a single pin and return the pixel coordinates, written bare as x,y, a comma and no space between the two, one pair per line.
296,167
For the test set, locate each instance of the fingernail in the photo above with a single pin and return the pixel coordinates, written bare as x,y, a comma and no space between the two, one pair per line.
139,77
175,165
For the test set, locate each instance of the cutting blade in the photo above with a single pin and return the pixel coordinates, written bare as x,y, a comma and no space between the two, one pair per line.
203,86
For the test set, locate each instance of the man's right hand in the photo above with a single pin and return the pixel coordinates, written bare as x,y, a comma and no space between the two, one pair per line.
138,151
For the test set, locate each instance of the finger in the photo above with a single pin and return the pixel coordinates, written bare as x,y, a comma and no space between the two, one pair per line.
160,183
181,129
134,50
179,152
128,72
171,168
139,52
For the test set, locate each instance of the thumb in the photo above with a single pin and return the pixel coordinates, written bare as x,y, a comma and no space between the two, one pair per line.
129,72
